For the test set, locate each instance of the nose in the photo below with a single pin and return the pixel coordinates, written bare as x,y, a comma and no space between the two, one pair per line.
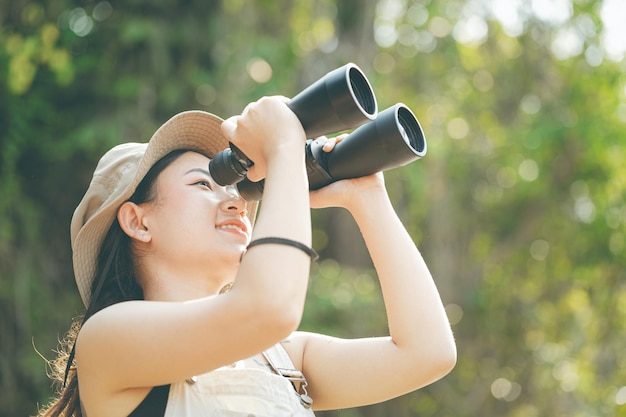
233,202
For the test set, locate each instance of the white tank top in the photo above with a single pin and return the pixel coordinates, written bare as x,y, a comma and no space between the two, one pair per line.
239,391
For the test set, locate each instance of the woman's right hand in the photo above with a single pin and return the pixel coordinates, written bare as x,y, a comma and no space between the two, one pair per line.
266,131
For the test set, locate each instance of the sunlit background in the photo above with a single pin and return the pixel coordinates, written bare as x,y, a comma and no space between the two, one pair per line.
519,206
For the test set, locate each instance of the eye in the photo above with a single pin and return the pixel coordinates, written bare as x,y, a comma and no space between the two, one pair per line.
204,183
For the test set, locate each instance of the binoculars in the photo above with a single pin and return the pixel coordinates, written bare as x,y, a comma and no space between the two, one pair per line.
341,100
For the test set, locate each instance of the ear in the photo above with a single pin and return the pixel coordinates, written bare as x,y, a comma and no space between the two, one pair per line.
130,217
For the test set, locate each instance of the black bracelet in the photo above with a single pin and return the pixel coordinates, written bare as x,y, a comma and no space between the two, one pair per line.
282,241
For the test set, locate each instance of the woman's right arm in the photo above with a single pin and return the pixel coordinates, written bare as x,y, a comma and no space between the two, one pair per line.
278,273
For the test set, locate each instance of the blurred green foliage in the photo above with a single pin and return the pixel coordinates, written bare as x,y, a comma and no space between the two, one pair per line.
519,206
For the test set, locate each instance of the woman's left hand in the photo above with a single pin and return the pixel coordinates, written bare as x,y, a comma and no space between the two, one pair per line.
347,193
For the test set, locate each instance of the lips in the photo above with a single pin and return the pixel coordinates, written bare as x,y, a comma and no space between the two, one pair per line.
233,224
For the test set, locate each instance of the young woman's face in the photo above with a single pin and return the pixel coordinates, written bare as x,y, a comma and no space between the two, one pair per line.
193,220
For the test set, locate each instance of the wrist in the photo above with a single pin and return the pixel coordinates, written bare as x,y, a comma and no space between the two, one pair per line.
287,157
370,203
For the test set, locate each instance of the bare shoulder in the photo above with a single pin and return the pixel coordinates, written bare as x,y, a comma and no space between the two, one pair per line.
94,341
106,320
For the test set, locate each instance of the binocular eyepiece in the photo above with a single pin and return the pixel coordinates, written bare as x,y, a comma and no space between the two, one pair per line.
343,99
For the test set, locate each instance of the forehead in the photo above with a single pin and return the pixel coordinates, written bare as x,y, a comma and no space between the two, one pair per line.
189,160
194,157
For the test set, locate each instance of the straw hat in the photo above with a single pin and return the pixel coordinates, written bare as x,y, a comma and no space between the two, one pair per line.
119,172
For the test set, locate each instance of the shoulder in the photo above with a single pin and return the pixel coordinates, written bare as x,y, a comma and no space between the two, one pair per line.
106,318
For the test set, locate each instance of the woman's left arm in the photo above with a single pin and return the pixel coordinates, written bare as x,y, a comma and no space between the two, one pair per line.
420,348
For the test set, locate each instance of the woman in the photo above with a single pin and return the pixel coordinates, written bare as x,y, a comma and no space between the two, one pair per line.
192,312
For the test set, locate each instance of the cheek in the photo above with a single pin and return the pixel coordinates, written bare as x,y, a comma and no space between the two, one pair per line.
179,235
185,215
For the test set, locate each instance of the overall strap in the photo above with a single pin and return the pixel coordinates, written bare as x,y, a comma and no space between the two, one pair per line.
281,363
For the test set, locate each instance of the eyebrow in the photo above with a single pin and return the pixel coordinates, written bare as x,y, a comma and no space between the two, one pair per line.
201,170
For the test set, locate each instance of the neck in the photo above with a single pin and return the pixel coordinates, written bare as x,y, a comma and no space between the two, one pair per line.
162,284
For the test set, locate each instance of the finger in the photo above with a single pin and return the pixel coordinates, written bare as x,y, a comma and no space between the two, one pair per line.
229,126
254,174
246,109
329,145
341,137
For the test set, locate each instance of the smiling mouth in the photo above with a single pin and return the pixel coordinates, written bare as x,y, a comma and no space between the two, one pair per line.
232,227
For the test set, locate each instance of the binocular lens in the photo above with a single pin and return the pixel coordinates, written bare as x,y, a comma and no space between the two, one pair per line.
411,131
362,91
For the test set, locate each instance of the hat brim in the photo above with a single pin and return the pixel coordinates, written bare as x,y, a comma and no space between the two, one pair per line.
194,130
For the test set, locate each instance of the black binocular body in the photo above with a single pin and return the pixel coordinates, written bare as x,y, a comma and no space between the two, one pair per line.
341,100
